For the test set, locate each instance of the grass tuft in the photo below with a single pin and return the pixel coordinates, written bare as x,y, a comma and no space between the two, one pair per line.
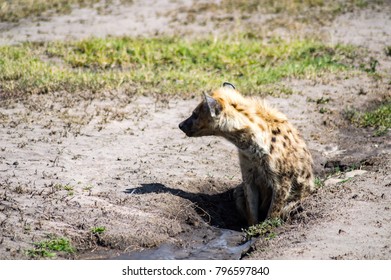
332,7
15,10
311,12
47,248
319,183
98,230
264,229
18,9
379,118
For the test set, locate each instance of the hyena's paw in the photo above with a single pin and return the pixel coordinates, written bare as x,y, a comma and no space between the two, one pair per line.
291,209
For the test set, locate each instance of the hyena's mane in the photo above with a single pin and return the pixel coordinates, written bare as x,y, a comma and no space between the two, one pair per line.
247,111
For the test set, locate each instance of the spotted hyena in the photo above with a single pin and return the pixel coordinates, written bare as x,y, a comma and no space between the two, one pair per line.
275,162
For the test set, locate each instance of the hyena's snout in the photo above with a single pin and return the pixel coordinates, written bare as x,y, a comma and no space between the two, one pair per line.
186,126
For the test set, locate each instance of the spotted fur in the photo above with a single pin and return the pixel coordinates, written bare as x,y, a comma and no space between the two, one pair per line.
275,162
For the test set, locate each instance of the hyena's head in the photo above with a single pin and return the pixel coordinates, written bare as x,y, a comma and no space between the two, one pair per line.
204,120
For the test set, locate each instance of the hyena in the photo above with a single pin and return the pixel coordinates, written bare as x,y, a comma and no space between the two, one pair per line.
275,162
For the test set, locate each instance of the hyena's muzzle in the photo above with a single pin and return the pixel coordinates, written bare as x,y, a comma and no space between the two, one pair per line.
187,125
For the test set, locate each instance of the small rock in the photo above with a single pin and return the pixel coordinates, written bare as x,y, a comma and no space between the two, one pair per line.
355,173
332,181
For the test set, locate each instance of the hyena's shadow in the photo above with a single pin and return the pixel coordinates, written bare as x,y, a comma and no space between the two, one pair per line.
218,210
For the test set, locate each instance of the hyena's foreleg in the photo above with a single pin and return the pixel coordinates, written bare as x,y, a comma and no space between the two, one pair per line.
246,205
280,197
250,189
240,201
251,194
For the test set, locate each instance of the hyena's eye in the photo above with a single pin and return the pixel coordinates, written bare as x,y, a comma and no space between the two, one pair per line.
195,115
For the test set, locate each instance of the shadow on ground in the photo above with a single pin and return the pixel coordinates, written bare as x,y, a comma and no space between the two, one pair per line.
218,210
221,239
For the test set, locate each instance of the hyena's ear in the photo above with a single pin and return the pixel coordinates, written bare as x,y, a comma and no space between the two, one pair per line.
226,84
213,106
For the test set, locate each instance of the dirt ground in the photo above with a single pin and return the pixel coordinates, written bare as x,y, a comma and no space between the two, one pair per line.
70,162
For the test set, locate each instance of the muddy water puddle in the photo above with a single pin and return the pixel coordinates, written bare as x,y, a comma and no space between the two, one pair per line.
226,245
219,244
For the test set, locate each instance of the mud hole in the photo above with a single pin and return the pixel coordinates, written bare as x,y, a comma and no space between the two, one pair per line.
71,162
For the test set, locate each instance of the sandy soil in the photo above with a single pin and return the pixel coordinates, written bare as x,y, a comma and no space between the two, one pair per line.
70,162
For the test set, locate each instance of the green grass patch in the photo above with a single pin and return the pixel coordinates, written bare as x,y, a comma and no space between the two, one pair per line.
98,230
22,70
370,66
379,118
319,183
166,65
69,189
172,63
264,229
48,248
88,188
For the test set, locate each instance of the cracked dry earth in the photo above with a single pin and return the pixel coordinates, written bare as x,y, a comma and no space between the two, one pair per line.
71,161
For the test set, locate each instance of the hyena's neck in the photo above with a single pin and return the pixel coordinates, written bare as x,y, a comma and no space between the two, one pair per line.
252,143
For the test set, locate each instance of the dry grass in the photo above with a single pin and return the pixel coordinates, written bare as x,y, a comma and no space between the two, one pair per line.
15,10
288,14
